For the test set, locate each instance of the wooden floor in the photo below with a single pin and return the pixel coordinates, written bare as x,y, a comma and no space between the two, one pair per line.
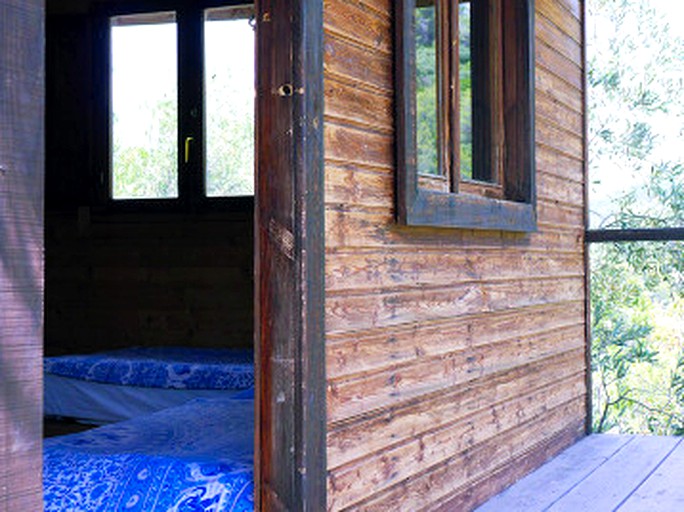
603,473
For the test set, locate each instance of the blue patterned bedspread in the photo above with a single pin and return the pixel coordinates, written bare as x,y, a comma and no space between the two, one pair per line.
195,457
160,367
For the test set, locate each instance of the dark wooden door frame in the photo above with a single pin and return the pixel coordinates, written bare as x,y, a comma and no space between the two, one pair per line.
290,463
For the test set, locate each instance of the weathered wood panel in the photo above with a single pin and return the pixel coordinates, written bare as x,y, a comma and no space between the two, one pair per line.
21,253
148,280
455,358
602,472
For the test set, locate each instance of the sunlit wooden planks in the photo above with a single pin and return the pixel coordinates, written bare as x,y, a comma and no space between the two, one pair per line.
432,333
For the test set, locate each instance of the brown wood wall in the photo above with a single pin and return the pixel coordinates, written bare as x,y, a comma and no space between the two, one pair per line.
21,253
148,279
455,358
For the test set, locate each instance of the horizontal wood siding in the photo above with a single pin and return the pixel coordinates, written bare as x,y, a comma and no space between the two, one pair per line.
21,253
145,279
455,358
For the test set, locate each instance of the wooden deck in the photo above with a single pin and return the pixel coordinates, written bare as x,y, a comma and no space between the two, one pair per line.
603,473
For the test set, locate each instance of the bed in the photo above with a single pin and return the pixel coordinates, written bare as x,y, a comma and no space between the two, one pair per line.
122,384
194,457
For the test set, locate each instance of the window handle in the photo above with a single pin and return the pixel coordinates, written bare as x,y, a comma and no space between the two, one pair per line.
188,140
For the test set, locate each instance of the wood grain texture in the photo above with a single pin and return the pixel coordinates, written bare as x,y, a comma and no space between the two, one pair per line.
290,435
21,253
146,279
455,358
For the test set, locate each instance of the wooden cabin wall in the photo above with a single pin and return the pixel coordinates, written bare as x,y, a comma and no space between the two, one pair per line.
455,358
121,279
21,253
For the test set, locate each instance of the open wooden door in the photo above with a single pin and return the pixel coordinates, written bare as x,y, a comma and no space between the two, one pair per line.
291,440
21,253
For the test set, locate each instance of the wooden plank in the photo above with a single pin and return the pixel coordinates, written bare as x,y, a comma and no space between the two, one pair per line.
354,145
551,161
370,229
573,6
459,473
21,252
354,105
477,492
560,190
557,137
358,437
428,449
545,486
388,308
553,86
381,390
555,112
355,352
353,184
355,21
663,489
614,480
290,434
401,270
564,68
551,35
357,63
557,14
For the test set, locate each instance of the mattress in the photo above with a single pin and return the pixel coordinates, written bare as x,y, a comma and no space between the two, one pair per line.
119,385
198,456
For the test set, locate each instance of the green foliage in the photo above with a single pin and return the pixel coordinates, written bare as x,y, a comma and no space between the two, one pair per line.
148,169
637,289
426,93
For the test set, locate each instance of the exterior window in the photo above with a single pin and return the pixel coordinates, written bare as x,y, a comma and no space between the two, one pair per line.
465,147
181,105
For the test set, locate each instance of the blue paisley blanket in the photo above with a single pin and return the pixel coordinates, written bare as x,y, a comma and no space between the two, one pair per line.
160,367
195,457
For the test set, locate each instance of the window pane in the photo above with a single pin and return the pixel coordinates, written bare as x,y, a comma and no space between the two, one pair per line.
637,327
229,82
144,112
636,115
465,90
426,88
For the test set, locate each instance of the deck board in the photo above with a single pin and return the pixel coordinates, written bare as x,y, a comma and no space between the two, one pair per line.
663,488
543,488
603,473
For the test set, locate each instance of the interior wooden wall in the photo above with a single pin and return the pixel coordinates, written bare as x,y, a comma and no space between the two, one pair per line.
121,279
455,358
21,253
148,280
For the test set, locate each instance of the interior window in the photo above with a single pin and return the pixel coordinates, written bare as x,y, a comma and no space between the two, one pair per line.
229,101
144,108
181,117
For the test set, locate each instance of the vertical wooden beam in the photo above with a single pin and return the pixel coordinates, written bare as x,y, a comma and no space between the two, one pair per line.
587,263
22,43
291,421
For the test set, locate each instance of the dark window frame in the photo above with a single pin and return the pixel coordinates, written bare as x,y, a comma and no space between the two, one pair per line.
467,208
190,61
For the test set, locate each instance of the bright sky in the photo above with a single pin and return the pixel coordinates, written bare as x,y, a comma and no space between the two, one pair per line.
669,126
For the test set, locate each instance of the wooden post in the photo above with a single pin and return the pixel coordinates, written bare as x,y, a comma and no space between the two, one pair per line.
21,252
291,420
